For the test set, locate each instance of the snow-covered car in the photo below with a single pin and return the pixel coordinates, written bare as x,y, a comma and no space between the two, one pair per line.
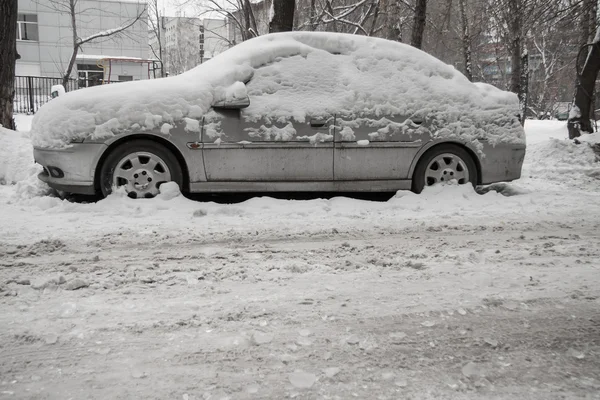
296,111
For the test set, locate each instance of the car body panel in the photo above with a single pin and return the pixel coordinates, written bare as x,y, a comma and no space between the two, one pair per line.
300,186
376,147
259,151
501,162
77,162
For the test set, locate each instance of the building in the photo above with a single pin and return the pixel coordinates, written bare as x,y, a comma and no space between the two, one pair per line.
188,42
45,40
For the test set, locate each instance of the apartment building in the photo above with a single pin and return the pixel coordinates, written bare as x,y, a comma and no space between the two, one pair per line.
188,41
45,40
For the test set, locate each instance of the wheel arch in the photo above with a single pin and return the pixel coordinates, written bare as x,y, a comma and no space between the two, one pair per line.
432,145
137,136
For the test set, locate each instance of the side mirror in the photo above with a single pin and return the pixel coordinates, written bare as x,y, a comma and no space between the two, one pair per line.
234,97
233,104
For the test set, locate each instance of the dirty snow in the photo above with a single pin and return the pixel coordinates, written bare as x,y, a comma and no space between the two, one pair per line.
289,78
448,294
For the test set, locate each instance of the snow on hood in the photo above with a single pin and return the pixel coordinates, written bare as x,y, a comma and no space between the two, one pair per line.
349,75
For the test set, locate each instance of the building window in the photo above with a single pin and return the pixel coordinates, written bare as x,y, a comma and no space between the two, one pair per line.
125,78
27,27
89,75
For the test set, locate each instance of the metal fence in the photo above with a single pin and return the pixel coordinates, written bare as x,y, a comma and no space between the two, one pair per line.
32,92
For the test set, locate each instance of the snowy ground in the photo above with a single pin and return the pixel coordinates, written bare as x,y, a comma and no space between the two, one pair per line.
450,294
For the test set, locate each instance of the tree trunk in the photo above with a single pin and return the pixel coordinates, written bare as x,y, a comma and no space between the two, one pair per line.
524,94
312,15
466,40
393,20
515,28
419,24
588,22
579,117
283,16
246,10
67,74
159,37
334,27
8,57
253,25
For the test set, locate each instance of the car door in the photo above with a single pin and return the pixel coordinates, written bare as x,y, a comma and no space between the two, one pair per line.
282,136
369,147
238,149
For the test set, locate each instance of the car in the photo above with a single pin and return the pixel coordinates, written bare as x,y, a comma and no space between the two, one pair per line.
288,112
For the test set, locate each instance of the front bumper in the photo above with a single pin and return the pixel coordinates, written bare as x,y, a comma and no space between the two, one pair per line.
502,162
71,169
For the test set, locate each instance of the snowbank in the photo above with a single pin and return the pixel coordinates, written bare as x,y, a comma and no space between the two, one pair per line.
16,162
16,155
291,76
541,130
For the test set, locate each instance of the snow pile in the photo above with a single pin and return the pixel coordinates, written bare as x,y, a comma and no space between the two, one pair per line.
555,160
16,162
290,77
169,190
590,138
541,130
450,198
16,155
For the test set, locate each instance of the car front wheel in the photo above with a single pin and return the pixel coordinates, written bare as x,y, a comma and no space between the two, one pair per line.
442,164
140,167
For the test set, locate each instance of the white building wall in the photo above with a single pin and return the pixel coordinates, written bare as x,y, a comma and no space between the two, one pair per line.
54,48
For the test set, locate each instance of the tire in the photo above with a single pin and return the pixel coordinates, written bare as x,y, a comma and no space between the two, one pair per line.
141,166
453,162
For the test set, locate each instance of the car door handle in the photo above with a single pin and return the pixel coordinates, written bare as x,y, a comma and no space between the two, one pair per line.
317,123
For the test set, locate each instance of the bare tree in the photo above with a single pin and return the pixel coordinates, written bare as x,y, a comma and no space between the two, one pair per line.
155,20
346,16
466,40
419,24
69,7
515,33
283,16
8,55
553,47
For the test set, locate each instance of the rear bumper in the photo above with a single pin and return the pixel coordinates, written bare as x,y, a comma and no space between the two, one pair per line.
502,163
72,169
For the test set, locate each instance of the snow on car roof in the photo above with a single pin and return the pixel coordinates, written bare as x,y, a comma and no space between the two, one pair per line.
297,74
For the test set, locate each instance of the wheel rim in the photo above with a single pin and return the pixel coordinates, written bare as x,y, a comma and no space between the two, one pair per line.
141,173
446,167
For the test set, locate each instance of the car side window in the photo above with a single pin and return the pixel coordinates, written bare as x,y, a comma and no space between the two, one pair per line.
222,126
287,94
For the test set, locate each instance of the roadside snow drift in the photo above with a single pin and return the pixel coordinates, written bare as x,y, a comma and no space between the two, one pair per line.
16,156
296,75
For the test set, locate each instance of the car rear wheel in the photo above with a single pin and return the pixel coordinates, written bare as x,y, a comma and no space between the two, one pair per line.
140,167
442,164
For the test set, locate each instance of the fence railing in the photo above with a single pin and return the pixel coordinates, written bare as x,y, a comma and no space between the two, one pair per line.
32,92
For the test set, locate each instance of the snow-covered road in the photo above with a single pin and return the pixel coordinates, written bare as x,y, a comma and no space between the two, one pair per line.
449,294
